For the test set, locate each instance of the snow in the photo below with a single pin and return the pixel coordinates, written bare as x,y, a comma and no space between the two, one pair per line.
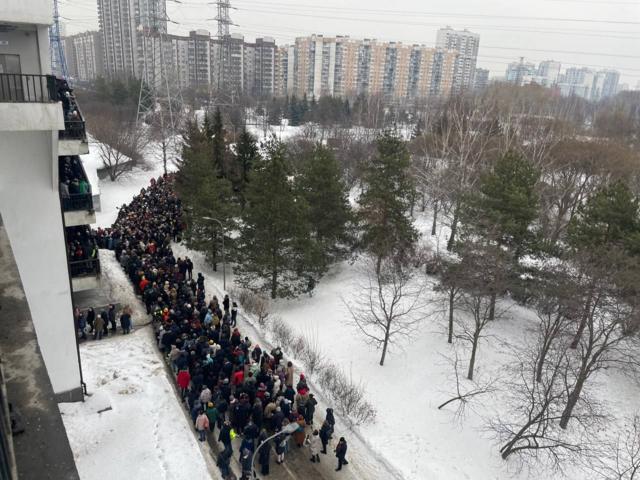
132,424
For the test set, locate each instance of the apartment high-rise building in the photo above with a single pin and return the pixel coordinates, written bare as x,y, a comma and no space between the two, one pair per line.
481,80
264,67
131,32
521,73
341,66
199,58
467,45
85,56
549,73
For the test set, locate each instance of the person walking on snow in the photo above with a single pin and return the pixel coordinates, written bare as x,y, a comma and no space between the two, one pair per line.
202,425
341,452
313,441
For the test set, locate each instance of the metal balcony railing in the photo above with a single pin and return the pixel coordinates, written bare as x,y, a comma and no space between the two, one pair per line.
85,268
26,88
73,130
77,201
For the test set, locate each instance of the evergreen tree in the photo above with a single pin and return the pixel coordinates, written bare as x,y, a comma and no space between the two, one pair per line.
610,217
246,156
294,112
386,201
204,193
274,237
218,144
329,212
506,204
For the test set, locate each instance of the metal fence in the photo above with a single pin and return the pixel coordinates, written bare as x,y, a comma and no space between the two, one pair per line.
85,268
77,201
25,88
73,130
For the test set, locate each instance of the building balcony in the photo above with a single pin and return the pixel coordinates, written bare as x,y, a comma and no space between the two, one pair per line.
73,139
85,274
29,102
75,193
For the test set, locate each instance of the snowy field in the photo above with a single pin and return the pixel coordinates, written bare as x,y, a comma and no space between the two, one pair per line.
415,439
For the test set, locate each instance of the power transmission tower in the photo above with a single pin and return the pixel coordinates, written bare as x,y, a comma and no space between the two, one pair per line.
160,99
56,52
224,93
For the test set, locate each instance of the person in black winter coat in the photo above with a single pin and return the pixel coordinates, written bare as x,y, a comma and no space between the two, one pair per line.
330,419
225,303
225,436
310,410
341,452
264,454
325,435
223,462
111,313
105,319
90,318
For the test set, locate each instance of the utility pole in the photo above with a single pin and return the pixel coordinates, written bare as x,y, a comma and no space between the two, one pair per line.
56,52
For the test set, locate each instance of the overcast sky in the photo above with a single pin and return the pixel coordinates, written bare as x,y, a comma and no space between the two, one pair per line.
595,33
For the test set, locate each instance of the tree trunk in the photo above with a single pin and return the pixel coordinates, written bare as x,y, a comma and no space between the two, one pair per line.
541,360
454,228
378,265
274,284
472,361
452,297
435,218
423,203
385,344
572,401
492,307
164,156
583,322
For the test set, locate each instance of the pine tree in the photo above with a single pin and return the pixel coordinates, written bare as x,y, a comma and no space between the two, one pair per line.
611,217
246,156
506,204
274,237
386,201
218,144
329,212
204,193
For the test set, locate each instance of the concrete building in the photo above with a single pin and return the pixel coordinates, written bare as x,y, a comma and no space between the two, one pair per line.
481,80
549,72
467,45
199,58
128,28
85,56
345,67
264,67
520,73
37,134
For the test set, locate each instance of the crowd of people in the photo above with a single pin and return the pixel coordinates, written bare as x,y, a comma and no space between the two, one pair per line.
100,325
230,386
83,249
68,99
73,180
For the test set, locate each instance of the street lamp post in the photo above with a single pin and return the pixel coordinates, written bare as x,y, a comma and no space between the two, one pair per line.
224,261
288,430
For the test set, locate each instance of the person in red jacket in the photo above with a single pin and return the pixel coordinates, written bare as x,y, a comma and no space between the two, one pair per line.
143,284
184,378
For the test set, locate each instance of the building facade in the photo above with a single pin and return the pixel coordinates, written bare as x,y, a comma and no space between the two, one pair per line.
467,44
341,66
85,56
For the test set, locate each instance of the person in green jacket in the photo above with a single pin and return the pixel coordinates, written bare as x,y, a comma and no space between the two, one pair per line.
212,414
83,186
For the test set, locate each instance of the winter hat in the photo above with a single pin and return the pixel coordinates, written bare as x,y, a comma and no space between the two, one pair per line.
210,404
226,380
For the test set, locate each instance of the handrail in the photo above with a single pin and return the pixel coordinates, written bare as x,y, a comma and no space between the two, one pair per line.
84,268
27,88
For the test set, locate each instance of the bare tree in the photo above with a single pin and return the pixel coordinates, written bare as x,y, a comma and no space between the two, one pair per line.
464,396
610,323
120,142
451,282
388,304
620,459
529,428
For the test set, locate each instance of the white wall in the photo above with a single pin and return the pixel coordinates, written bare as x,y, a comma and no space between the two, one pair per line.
23,42
27,11
30,208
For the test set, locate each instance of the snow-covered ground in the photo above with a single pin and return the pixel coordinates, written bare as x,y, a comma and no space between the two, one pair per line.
410,435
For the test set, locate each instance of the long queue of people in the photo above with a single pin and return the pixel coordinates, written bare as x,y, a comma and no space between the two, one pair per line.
230,386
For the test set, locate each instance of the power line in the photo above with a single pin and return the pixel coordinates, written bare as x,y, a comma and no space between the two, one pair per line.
447,14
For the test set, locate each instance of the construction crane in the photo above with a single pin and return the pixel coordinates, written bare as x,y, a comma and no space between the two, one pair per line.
56,51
